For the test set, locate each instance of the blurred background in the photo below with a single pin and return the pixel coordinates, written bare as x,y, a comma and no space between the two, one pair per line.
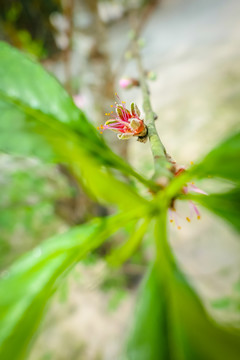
192,49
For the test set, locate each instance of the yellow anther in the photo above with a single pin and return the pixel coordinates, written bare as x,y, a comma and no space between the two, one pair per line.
111,105
187,218
191,162
123,102
111,112
105,113
179,227
101,126
199,217
171,221
101,132
97,127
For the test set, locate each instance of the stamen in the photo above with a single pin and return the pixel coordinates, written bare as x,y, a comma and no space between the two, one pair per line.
101,132
118,98
191,162
171,215
176,219
101,126
187,218
195,209
196,189
98,128
111,105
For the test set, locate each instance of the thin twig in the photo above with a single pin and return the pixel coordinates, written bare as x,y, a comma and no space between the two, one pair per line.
162,161
142,16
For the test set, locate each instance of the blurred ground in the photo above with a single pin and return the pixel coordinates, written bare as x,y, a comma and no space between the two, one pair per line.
194,47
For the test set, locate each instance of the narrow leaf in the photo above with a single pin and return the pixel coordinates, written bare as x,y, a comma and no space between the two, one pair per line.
39,96
226,205
222,161
26,287
194,335
125,251
148,339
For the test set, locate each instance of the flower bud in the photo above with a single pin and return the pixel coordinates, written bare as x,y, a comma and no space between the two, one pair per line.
128,83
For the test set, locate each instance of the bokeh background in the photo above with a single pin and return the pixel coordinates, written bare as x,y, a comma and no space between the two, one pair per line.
193,47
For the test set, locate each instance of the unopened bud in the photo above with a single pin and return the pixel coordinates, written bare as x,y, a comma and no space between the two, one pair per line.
132,34
141,42
128,55
151,75
127,83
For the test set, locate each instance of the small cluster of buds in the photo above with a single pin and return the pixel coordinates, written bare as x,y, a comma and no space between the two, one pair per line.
126,123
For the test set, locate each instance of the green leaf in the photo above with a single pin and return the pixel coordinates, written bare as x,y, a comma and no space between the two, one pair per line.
148,339
97,181
44,103
17,137
59,143
194,335
222,161
27,85
226,205
44,108
29,283
222,303
125,251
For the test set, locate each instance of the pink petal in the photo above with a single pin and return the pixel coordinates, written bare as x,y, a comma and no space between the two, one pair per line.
197,190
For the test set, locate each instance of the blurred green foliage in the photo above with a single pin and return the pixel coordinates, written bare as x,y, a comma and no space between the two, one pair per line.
26,25
171,322
27,205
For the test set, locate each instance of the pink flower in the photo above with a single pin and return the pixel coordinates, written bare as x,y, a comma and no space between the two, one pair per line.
127,123
189,187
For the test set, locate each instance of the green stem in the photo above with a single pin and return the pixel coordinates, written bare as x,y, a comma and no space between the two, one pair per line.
162,161
164,258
